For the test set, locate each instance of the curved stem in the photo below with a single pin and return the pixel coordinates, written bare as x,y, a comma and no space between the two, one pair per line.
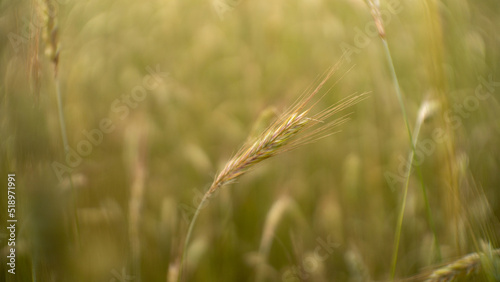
190,231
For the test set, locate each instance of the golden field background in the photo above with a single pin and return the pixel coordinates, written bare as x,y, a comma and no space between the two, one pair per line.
232,66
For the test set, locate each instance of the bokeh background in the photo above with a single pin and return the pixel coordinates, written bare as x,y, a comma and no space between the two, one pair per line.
232,67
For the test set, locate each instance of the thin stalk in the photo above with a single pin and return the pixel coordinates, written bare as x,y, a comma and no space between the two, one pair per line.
418,125
62,122
64,136
189,232
398,90
412,155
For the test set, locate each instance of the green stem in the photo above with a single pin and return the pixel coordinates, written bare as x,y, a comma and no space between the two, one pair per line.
61,117
398,90
64,136
190,231
412,155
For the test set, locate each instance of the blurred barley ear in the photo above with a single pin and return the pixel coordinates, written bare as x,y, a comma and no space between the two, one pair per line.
50,37
294,128
136,152
467,267
47,11
279,209
50,33
34,67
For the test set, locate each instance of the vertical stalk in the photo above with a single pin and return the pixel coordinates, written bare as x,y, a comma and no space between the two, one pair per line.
62,121
190,231
374,9
413,142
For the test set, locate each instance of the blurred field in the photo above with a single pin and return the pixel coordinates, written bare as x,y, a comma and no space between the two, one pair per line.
232,65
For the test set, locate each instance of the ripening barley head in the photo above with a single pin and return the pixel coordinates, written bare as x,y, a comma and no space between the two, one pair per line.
296,127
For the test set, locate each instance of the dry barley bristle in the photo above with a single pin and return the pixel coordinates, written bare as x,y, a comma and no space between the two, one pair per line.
287,133
271,143
462,267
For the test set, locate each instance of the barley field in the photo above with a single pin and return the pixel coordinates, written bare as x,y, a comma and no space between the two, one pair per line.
235,140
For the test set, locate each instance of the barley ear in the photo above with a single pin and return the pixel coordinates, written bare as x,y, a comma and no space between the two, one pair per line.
296,127
465,267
